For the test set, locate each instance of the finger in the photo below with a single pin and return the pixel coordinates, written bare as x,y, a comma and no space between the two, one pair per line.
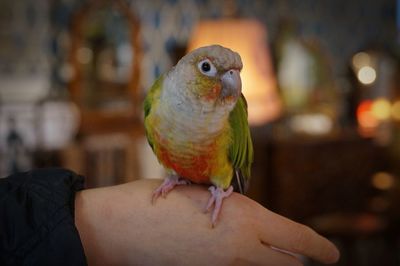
294,237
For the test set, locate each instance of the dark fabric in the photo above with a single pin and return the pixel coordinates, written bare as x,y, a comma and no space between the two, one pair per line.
37,218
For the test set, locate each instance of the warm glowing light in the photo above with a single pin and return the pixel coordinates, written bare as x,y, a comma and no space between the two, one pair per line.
382,180
248,38
381,109
366,75
396,110
364,115
361,59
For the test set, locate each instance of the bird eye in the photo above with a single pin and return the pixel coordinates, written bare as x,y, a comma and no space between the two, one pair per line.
207,68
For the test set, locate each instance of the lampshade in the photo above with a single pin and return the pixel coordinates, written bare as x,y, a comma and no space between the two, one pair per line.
248,38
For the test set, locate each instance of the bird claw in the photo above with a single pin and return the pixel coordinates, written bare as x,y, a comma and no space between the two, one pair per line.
169,183
217,195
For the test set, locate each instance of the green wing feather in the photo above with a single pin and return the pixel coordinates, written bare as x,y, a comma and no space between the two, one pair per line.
241,149
152,98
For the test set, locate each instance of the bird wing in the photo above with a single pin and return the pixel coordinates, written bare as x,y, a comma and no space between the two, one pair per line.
151,99
241,148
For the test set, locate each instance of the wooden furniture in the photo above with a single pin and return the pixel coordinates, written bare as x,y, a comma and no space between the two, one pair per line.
311,176
326,183
107,103
105,56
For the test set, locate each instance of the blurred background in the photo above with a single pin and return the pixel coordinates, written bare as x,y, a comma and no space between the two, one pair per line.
322,80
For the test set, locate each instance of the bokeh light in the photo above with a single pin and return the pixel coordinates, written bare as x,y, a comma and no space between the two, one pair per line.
84,55
382,180
366,75
365,117
381,109
361,59
396,110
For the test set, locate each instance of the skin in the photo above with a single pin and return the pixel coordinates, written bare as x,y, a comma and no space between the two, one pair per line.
118,225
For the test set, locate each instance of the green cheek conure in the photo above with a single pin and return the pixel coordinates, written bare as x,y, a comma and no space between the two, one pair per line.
196,124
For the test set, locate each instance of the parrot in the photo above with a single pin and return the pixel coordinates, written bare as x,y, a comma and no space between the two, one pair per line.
195,119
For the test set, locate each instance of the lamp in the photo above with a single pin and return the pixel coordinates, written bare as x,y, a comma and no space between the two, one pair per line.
248,38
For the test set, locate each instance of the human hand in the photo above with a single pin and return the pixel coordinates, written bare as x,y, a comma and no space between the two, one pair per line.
119,225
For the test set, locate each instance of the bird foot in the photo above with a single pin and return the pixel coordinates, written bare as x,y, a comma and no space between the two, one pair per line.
217,195
169,183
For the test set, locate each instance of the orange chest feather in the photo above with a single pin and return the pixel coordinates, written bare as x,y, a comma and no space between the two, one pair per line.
197,168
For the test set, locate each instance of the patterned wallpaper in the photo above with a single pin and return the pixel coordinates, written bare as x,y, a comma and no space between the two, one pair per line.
341,27
24,53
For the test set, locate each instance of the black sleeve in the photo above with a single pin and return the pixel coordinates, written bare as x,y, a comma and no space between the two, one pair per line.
37,224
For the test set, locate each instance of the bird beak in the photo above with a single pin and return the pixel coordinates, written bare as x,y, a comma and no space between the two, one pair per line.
231,84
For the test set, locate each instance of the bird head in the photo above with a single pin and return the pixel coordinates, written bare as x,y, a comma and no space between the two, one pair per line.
211,74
